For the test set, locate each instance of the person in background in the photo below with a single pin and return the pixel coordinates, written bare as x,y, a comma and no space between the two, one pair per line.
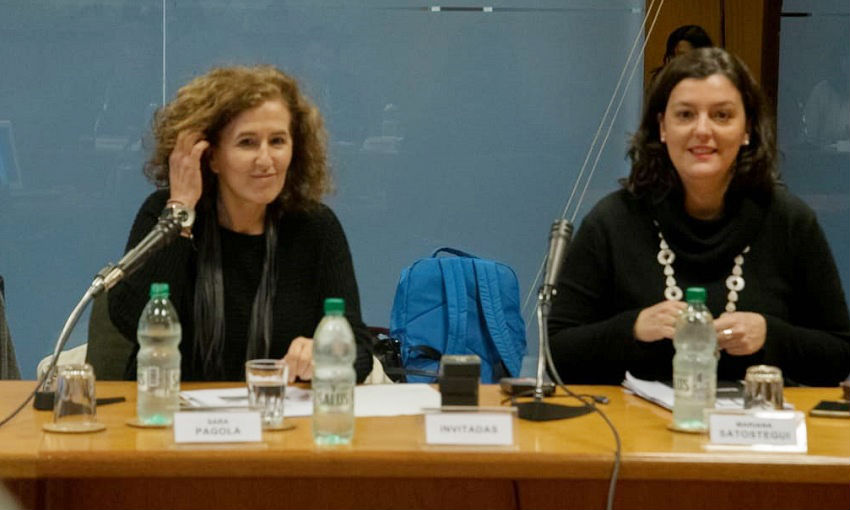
243,150
683,40
702,206
826,115
8,363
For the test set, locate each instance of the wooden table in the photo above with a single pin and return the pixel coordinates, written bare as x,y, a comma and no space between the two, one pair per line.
559,464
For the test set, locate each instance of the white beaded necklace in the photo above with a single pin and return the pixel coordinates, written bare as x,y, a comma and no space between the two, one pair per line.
735,281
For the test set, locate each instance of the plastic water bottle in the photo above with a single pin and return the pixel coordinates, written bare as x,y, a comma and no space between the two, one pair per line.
334,351
158,361
695,363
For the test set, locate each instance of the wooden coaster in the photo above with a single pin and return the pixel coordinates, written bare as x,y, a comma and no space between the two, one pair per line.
134,422
674,428
287,425
77,428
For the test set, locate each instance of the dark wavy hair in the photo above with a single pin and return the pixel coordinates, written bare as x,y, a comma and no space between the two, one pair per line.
207,104
755,168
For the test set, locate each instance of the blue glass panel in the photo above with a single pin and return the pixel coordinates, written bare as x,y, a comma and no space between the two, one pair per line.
814,116
79,83
459,127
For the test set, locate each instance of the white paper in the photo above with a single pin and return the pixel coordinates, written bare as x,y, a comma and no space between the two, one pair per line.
394,399
298,401
654,391
662,394
369,399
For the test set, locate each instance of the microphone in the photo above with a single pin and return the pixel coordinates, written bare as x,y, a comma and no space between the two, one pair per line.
537,410
165,231
559,237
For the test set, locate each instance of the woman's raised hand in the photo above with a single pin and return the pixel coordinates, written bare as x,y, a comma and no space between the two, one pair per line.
184,168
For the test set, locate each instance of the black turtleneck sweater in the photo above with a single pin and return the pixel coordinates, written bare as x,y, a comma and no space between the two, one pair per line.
313,263
611,273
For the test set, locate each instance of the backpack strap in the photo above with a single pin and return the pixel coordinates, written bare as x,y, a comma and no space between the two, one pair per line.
491,305
453,251
454,285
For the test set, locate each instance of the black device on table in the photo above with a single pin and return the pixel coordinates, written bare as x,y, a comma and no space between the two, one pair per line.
459,379
524,386
832,409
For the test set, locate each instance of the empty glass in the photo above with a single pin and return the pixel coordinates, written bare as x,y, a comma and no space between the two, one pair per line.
75,406
763,388
266,380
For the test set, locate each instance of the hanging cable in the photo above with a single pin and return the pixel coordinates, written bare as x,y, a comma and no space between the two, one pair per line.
632,61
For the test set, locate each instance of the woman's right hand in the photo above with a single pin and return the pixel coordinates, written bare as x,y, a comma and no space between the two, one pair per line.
184,168
658,321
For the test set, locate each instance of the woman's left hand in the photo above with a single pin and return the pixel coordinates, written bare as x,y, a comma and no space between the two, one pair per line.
740,333
299,358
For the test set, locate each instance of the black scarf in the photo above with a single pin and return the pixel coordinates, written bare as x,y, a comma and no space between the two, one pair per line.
713,244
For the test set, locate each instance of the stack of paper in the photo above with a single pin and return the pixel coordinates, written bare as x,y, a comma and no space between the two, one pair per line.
728,397
369,400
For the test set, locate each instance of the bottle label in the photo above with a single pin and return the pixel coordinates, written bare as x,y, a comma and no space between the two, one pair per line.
149,378
691,385
332,397
173,379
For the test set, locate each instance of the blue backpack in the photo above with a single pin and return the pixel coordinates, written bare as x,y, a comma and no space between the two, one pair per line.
458,305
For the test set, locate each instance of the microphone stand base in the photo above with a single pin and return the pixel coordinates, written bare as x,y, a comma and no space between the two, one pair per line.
537,410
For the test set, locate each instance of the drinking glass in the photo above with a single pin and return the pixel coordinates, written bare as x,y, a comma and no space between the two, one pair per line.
75,406
763,388
266,380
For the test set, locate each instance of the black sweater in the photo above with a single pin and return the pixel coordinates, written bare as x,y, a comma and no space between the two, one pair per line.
313,263
611,273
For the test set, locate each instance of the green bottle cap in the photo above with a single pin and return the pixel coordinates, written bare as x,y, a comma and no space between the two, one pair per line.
159,290
695,295
334,306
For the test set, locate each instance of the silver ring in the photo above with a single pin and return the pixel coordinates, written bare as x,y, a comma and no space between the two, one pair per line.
727,333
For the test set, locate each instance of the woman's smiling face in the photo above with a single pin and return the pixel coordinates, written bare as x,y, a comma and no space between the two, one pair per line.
704,126
253,154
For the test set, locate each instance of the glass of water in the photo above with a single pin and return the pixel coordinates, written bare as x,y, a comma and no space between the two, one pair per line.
266,379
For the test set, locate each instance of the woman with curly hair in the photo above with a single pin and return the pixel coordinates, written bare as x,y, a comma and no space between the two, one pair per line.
701,207
242,150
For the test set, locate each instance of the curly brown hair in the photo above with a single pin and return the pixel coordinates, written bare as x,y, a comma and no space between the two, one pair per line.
209,102
756,165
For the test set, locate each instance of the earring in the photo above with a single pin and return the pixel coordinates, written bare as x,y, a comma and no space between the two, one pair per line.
747,140
663,140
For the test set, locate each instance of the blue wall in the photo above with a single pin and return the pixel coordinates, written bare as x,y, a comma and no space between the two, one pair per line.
447,128
814,115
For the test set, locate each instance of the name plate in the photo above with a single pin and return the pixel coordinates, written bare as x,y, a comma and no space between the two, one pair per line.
470,427
764,430
229,427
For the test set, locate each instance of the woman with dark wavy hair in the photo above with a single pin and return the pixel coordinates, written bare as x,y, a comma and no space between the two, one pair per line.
701,207
243,151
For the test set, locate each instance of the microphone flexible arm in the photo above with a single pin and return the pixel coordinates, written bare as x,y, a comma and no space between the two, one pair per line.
544,304
94,289
559,240
164,232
